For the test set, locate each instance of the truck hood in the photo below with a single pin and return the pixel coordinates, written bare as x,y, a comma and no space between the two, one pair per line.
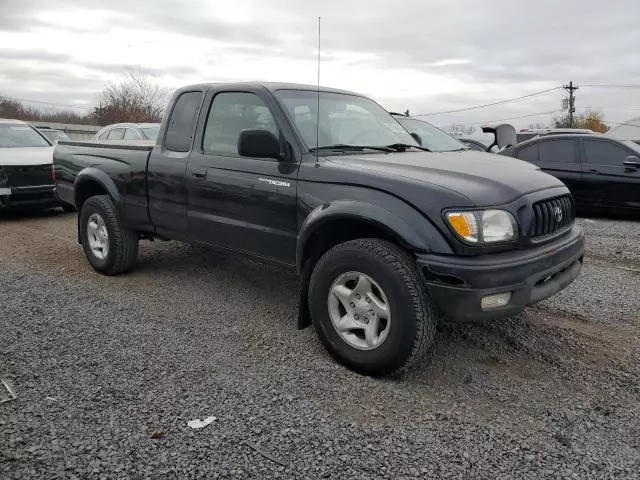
26,156
483,178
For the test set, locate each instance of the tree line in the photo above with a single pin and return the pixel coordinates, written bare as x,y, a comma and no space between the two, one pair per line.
135,98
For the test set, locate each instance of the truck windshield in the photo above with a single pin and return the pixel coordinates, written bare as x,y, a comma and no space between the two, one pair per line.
432,137
344,120
20,135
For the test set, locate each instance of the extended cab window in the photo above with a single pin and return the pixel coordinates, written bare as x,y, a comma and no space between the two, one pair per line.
183,122
558,151
529,154
597,152
230,114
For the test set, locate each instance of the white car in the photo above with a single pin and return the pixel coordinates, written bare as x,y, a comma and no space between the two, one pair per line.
26,167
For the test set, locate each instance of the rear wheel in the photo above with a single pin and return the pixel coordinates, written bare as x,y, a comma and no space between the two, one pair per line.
109,247
370,308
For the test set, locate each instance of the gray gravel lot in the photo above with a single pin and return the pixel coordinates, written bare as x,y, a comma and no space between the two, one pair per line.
110,370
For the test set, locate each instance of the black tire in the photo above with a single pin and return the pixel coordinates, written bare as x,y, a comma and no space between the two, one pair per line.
68,208
413,315
123,244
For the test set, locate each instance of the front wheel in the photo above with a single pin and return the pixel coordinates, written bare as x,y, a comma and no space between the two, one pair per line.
370,308
109,247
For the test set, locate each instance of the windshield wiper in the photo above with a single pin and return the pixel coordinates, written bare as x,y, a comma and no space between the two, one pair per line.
344,146
401,147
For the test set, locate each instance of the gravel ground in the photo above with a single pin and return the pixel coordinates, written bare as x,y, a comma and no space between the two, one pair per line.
108,372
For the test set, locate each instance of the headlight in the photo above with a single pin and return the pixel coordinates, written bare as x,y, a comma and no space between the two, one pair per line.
483,226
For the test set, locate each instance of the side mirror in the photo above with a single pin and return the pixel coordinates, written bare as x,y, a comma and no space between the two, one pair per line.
631,162
259,143
417,138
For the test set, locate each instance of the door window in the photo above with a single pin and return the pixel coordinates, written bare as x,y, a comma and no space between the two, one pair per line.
604,153
182,123
230,114
557,151
115,134
529,154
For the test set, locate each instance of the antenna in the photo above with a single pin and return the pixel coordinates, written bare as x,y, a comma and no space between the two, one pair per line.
318,95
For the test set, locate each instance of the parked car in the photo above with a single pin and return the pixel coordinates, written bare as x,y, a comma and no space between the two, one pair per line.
129,131
388,237
429,136
629,130
26,175
529,133
473,144
53,135
602,173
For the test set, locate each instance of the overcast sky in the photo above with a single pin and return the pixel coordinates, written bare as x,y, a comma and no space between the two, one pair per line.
421,55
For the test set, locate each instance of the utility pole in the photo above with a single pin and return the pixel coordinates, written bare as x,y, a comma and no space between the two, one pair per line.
572,99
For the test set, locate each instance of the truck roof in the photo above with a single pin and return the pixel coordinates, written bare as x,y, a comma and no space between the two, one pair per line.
271,86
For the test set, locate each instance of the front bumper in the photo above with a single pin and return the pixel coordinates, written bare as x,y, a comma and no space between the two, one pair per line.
33,197
458,284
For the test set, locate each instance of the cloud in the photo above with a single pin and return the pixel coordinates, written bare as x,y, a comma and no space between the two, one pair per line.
425,56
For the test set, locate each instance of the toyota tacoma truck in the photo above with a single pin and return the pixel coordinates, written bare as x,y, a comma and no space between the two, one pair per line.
388,236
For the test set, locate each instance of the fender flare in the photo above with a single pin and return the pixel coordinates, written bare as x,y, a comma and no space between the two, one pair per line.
416,237
98,176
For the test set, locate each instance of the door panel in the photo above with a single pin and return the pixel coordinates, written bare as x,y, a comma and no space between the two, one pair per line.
610,184
241,203
166,179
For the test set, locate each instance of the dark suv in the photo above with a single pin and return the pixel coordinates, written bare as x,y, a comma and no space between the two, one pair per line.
602,173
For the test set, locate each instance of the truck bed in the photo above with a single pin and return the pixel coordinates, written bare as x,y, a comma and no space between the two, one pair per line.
121,163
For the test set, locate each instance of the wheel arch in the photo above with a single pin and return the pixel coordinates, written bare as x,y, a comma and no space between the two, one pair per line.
341,221
92,181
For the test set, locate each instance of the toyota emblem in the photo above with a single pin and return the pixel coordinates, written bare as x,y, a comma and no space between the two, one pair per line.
557,213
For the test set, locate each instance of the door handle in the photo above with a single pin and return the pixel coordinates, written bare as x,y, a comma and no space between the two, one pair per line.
200,173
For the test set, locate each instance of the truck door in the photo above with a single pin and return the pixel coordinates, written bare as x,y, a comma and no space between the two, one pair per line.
242,203
166,181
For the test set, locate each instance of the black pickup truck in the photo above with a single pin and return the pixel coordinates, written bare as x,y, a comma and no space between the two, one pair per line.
388,235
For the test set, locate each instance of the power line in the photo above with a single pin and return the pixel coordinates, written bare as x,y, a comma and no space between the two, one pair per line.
604,85
604,107
501,102
625,124
44,103
511,118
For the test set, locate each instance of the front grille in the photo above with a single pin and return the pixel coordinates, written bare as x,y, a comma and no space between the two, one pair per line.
551,216
25,175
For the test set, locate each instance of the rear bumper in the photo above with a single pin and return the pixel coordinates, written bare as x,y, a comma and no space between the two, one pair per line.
32,197
458,284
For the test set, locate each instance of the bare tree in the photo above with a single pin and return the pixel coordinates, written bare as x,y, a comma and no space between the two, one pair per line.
458,129
10,108
133,99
